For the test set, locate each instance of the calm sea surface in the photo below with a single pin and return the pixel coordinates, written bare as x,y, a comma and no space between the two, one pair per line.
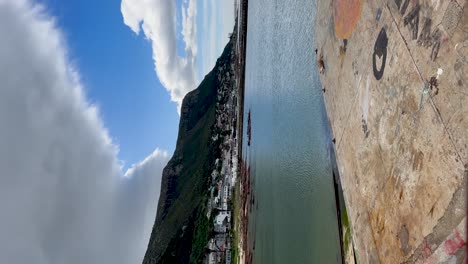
294,217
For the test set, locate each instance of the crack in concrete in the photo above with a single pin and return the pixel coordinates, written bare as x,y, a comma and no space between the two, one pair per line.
434,107
349,112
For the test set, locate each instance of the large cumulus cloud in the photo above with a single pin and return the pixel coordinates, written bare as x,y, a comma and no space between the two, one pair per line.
157,19
63,197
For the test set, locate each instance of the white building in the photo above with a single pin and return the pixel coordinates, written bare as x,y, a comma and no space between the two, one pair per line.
221,217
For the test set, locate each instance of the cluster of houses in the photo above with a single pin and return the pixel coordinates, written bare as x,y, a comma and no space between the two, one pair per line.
223,176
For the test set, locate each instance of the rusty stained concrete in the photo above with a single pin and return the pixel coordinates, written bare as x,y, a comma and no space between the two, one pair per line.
396,95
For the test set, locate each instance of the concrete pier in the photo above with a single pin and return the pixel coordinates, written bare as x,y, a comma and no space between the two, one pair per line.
396,94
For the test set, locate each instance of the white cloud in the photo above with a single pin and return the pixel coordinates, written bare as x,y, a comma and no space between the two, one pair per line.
63,197
137,200
227,19
218,22
147,163
213,51
157,19
189,30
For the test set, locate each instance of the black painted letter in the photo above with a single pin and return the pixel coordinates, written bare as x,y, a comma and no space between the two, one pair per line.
380,50
402,9
413,20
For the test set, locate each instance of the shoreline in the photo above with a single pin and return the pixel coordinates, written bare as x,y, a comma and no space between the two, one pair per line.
242,187
348,254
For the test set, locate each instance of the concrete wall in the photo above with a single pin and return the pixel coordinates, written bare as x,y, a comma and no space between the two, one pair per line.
396,94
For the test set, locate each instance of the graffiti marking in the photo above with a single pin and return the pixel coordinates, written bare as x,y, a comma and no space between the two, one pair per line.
402,8
412,19
380,50
425,38
346,15
436,44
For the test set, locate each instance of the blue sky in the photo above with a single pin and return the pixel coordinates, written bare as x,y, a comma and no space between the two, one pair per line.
118,72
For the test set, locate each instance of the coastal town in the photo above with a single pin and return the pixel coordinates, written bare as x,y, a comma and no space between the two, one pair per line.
224,175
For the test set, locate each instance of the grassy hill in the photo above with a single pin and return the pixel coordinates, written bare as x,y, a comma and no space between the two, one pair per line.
181,230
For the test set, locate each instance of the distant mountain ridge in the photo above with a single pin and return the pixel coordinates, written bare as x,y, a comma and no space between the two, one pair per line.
186,176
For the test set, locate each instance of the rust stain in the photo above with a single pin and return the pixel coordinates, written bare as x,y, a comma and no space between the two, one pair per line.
346,14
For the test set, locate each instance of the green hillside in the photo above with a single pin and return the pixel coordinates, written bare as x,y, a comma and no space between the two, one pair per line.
181,230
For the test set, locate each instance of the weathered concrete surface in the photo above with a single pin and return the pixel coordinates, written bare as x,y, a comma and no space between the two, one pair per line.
401,143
